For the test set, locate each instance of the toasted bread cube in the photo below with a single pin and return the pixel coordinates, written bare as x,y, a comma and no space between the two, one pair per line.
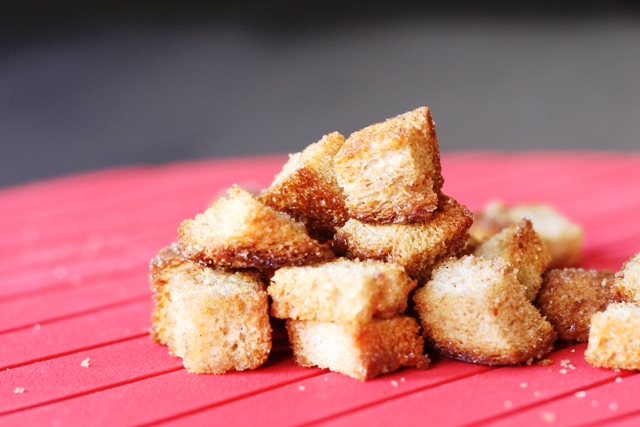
221,320
570,296
523,249
361,351
628,279
240,232
342,291
390,172
307,189
474,309
563,237
489,221
614,338
417,247
167,263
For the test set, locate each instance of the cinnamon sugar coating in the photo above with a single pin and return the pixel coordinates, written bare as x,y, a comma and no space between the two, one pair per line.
525,252
570,296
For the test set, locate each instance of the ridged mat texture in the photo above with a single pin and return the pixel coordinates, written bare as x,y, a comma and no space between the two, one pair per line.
74,256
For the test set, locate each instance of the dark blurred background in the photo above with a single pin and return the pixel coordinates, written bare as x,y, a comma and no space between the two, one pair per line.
86,85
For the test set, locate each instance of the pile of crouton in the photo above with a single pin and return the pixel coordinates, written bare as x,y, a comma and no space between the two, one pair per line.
372,267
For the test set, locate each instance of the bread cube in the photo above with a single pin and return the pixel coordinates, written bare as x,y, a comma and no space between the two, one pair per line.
342,291
240,232
489,221
417,247
523,249
614,338
474,309
221,320
563,237
361,351
628,279
307,189
163,266
570,296
390,172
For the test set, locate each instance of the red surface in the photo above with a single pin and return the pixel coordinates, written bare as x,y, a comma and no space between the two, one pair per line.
74,256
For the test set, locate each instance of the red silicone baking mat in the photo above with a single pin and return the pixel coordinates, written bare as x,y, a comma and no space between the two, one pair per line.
75,306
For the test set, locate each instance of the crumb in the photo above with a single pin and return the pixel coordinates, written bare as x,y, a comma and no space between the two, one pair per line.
18,390
544,362
580,394
37,327
301,387
548,417
566,363
85,363
402,379
618,380
563,371
394,383
523,385
537,393
508,404
573,350
613,406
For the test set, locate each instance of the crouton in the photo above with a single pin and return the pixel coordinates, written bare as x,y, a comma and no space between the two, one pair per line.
417,247
570,296
628,279
240,232
361,351
522,248
166,264
563,237
390,172
474,309
341,291
308,191
614,338
221,320
489,221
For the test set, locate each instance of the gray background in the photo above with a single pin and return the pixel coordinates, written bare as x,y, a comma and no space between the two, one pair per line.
85,87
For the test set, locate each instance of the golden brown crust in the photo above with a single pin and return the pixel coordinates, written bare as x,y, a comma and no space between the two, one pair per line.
241,232
390,172
361,351
614,337
342,291
474,309
628,279
308,191
523,249
417,247
569,297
